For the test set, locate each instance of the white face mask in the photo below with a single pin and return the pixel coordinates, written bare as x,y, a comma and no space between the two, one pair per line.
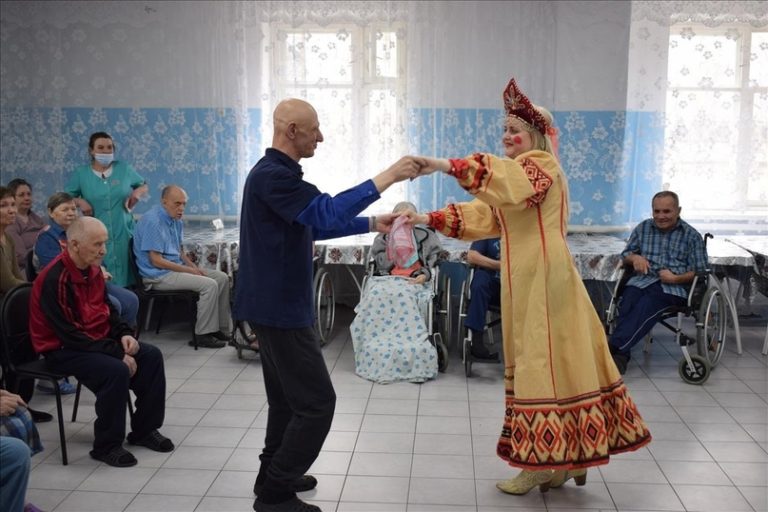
104,158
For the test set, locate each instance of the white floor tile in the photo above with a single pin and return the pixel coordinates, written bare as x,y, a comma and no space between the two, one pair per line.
712,498
427,447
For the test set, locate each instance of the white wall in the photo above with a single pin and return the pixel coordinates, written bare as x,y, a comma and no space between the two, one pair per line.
573,54
119,54
194,54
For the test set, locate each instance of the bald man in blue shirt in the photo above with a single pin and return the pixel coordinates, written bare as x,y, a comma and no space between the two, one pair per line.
281,217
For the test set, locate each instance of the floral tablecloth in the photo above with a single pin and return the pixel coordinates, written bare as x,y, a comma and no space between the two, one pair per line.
213,248
596,256
757,247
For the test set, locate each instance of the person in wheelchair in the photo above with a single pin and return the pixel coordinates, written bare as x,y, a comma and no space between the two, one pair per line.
485,290
390,332
665,253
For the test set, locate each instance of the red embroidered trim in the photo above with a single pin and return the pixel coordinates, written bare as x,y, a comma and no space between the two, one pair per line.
459,168
480,174
455,227
437,220
540,180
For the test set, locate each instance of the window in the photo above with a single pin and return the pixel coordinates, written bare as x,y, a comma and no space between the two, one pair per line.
355,78
716,133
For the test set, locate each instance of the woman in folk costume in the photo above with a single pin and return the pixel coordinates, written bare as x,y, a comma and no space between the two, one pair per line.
566,406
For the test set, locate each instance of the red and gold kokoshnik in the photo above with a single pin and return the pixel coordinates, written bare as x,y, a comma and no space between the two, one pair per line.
517,104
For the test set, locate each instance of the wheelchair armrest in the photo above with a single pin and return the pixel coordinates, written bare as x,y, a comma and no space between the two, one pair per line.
627,271
698,288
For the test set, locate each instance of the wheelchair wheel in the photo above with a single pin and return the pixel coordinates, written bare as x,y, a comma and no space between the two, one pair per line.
442,352
713,319
696,375
467,357
325,305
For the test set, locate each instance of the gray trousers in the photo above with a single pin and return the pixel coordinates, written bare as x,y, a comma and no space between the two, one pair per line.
213,313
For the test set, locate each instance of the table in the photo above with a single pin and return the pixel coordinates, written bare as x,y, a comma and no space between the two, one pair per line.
595,256
757,246
213,249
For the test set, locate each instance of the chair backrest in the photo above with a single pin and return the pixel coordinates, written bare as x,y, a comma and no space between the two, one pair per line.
134,268
30,269
14,313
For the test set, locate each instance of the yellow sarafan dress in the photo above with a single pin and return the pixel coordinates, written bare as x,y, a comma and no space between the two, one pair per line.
566,404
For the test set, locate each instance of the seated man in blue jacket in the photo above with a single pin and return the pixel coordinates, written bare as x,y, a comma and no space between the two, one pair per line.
485,290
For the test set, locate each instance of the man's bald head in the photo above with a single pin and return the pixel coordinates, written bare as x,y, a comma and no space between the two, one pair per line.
174,200
87,241
83,227
296,128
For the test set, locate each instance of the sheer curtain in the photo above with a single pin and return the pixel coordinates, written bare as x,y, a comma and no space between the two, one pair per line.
644,94
700,69
348,59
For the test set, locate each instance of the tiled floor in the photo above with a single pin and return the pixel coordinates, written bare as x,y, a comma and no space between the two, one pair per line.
431,447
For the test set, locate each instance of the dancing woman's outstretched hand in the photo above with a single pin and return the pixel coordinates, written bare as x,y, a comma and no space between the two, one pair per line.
430,165
415,218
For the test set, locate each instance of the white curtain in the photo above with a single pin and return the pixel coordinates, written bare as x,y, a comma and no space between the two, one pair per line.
700,70
187,90
348,59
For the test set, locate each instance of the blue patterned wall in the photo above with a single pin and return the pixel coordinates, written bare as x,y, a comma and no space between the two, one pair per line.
196,148
612,159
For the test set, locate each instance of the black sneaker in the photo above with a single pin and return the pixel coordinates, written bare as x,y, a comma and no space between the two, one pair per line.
118,457
154,441
40,416
292,505
621,362
480,351
220,336
302,484
206,341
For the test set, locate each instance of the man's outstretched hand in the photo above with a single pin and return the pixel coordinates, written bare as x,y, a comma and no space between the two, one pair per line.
430,165
406,168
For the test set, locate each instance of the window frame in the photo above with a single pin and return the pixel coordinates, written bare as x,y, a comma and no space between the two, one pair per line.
363,82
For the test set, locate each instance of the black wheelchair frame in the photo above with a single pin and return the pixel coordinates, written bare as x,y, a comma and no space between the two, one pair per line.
464,335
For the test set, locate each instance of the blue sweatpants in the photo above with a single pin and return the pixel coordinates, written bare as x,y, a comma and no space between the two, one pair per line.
639,310
484,290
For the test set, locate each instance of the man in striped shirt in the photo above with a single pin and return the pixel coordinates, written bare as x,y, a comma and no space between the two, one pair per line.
665,253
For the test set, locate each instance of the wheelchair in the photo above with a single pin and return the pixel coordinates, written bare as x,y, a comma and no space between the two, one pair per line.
325,302
438,310
706,305
463,333
324,308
